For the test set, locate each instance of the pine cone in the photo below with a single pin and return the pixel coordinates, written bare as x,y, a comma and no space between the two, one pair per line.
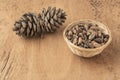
31,25
27,26
52,18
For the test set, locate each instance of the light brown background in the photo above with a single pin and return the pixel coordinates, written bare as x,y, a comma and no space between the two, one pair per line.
50,58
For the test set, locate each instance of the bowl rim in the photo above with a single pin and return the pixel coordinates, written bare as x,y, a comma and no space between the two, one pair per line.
90,49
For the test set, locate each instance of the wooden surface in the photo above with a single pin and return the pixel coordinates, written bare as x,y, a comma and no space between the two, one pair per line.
50,58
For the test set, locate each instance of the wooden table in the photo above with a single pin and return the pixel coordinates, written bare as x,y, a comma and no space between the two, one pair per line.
50,58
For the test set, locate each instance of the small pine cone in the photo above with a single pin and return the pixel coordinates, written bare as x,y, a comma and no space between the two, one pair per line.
27,26
53,18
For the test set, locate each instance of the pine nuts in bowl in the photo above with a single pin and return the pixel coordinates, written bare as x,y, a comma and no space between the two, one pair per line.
87,38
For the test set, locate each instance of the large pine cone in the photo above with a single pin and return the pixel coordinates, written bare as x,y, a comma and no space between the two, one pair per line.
52,18
31,25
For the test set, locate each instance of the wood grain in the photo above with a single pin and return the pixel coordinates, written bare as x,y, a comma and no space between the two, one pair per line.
50,58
